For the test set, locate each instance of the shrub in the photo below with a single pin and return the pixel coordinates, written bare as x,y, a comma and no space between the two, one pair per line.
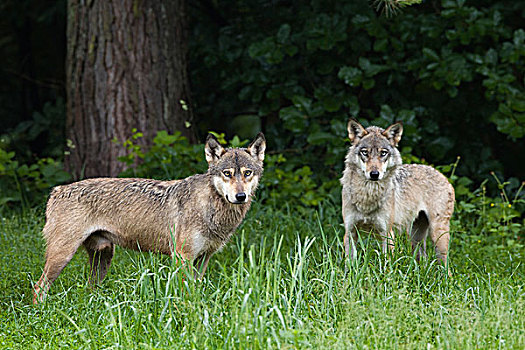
27,185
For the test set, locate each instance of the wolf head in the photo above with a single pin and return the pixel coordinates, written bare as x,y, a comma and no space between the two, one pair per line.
374,150
235,171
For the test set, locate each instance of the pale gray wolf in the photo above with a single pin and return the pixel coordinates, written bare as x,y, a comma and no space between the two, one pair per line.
192,218
382,195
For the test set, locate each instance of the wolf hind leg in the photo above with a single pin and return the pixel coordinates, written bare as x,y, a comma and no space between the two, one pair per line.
350,243
387,242
440,235
58,255
100,252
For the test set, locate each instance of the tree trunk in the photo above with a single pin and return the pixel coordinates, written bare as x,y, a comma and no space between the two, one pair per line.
125,69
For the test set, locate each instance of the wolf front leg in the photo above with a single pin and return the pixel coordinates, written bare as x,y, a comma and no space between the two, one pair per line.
387,243
440,235
350,241
200,264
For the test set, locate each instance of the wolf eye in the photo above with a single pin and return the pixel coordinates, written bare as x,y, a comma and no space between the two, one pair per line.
227,173
247,173
383,153
364,152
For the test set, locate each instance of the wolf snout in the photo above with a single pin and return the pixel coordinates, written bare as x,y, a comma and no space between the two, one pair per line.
374,175
241,196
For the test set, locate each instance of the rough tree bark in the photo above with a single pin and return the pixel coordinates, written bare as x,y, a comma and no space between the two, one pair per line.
125,68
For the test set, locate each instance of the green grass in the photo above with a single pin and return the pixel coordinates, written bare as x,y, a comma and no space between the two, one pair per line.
280,283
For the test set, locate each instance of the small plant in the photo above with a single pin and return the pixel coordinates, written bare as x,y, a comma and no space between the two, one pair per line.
26,185
170,157
283,182
494,223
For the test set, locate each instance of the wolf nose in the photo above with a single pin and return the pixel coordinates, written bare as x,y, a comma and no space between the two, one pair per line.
374,175
241,197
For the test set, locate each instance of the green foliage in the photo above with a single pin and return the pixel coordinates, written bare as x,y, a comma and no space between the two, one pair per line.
284,184
234,142
494,224
26,185
451,70
27,177
497,221
170,157
45,129
446,69
32,47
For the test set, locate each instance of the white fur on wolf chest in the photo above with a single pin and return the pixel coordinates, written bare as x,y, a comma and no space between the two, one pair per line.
378,220
209,229
366,203
212,236
201,243
380,205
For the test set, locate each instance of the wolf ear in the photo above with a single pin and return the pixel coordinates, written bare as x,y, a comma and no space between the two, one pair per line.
393,133
355,130
213,149
257,147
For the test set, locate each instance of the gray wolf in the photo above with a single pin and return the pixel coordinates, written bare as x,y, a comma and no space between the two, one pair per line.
382,195
193,217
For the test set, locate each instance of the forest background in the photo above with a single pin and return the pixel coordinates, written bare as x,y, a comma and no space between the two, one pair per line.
453,71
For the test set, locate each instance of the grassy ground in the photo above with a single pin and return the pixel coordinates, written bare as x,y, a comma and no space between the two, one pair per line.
280,283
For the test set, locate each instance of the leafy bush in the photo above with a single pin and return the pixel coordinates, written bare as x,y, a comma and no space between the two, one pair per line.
44,132
26,176
172,157
494,224
27,185
282,184
448,69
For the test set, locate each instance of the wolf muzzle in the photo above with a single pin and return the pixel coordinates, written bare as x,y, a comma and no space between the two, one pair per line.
240,197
